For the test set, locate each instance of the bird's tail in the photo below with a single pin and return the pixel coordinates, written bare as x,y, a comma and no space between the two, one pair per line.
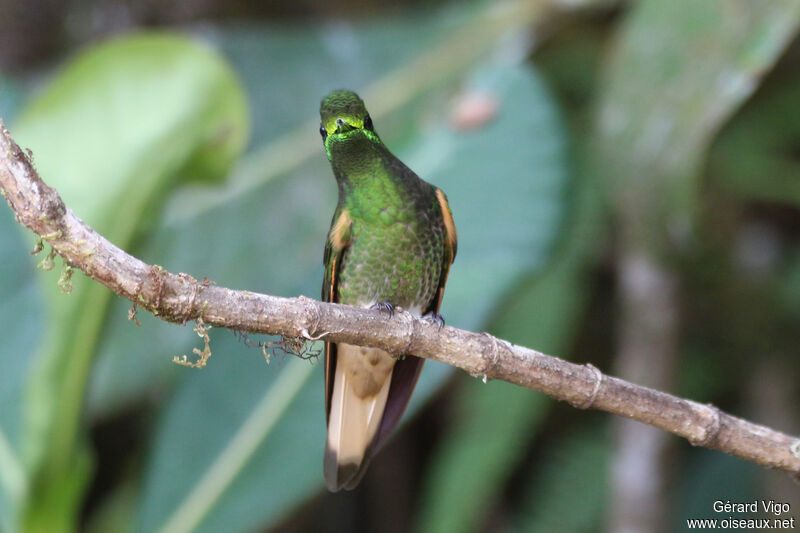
360,389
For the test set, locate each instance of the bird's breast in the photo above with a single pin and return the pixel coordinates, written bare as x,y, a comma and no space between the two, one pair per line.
393,261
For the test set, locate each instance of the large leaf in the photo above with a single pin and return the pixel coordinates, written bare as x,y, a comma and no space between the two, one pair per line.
480,451
508,202
755,154
390,63
119,126
475,458
133,365
679,70
19,311
241,479
286,70
222,483
21,307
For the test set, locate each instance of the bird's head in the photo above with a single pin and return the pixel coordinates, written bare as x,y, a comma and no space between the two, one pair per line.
341,113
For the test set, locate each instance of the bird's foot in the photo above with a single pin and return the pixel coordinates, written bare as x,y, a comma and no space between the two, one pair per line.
434,318
385,307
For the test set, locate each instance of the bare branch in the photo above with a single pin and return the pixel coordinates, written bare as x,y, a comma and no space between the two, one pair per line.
181,298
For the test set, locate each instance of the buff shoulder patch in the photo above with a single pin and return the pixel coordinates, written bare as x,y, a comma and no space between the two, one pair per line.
449,225
340,231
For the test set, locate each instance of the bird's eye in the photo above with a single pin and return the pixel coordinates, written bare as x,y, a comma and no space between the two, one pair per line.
323,132
368,123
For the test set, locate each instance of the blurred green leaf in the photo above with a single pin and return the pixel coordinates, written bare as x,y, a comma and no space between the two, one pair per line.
493,422
250,484
222,463
255,485
790,284
508,203
709,476
755,154
405,67
680,68
21,306
236,399
280,234
117,509
11,98
119,126
239,445
286,70
575,464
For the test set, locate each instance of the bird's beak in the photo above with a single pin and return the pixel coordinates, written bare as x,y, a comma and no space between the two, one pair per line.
343,126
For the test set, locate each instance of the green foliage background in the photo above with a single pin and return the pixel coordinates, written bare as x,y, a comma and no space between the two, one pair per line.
196,149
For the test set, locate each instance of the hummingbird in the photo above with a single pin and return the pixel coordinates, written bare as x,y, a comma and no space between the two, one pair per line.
391,243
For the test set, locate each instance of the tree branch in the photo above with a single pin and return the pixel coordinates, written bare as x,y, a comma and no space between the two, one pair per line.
180,298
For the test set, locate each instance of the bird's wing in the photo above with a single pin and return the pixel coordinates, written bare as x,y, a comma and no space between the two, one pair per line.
337,243
450,248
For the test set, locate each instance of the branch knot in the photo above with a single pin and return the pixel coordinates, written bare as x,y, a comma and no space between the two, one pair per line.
413,331
490,359
157,275
710,429
598,382
186,310
312,317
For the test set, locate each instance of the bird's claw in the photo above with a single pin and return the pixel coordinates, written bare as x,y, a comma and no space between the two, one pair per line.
385,307
434,318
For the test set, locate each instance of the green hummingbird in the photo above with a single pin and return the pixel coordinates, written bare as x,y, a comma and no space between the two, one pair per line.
391,243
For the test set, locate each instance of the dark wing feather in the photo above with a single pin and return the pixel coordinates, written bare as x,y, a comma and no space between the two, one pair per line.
335,247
